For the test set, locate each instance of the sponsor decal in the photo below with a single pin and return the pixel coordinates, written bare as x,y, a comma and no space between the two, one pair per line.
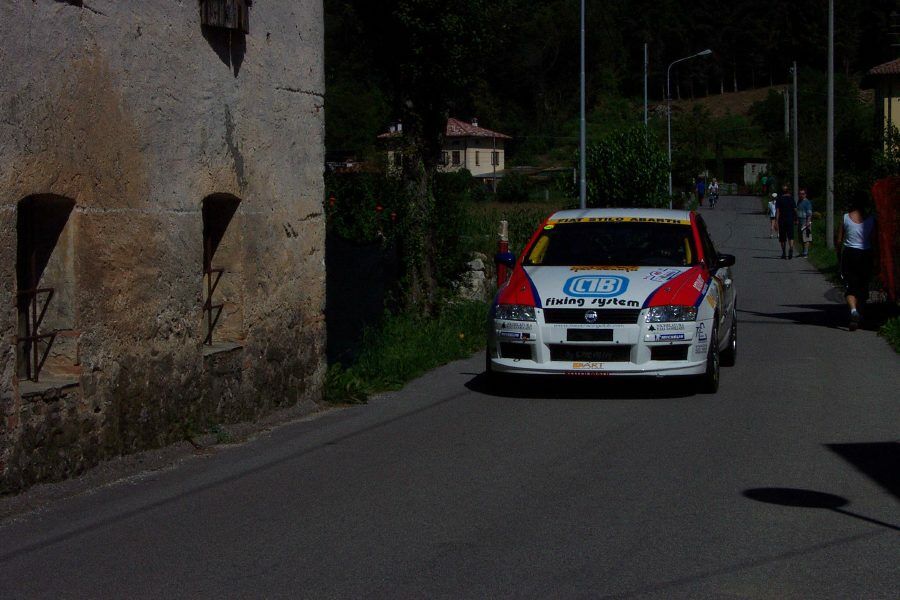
700,348
667,327
669,336
595,286
663,275
549,226
587,373
598,302
623,220
590,316
701,332
516,325
603,268
586,326
698,283
587,365
711,300
513,335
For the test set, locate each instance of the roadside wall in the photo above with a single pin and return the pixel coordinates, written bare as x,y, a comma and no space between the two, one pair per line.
128,115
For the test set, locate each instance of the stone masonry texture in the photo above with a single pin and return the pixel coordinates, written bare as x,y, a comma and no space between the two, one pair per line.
120,118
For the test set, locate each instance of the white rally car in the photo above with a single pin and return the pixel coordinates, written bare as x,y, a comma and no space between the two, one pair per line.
616,292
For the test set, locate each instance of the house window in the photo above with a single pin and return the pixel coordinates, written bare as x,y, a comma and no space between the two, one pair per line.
445,158
226,14
45,266
477,158
222,271
456,160
495,159
398,159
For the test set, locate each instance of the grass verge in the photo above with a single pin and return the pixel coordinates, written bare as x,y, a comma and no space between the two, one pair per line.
404,346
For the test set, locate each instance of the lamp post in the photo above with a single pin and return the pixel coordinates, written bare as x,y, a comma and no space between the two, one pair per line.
669,109
582,145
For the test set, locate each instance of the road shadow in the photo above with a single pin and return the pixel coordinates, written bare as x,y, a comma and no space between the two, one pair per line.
831,315
580,388
800,498
880,461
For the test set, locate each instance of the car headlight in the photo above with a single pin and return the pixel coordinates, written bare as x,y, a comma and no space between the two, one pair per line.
667,314
514,312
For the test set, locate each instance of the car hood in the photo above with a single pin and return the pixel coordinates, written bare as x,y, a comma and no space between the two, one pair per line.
614,287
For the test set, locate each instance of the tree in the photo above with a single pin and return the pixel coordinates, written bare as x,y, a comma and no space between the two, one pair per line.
430,53
627,168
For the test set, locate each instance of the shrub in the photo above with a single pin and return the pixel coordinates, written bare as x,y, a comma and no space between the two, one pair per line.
627,168
512,188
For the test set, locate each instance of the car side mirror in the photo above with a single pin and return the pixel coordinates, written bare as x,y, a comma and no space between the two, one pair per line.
725,260
505,258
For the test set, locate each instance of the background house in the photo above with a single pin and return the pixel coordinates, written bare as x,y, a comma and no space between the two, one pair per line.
885,79
467,146
162,237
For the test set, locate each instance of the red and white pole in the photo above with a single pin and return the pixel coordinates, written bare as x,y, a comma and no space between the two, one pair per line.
502,248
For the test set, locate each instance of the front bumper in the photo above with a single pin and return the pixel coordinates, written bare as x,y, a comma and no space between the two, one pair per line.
620,349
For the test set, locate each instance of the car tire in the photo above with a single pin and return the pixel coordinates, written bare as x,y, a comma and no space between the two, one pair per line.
491,379
729,355
709,381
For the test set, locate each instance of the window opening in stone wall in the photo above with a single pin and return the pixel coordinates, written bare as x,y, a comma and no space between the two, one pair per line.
222,281
45,287
226,14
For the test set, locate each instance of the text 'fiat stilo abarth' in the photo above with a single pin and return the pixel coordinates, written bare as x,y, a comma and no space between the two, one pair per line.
616,292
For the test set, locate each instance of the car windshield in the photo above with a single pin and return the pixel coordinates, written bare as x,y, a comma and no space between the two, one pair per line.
617,243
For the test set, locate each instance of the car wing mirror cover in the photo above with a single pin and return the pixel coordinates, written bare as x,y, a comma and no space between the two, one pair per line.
725,260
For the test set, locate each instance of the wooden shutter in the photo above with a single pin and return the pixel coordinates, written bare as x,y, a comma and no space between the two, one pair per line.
227,14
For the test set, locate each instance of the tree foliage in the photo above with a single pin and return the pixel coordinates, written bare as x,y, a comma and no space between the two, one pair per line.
627,169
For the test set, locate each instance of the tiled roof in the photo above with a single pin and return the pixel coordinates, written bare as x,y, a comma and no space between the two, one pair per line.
888,68
457,128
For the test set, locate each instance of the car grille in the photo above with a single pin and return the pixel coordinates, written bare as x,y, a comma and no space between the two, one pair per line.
604,315
510,350
674,352
568,353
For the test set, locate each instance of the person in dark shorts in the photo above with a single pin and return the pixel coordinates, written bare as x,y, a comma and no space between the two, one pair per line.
785,218
701,189
804,222
855,244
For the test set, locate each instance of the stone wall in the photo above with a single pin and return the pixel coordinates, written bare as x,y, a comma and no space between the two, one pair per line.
135,113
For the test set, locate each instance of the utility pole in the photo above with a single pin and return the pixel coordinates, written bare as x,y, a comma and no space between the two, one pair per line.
829,157
582,159
787,111
796,138
646,66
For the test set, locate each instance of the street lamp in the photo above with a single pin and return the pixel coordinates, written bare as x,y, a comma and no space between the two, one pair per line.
669,109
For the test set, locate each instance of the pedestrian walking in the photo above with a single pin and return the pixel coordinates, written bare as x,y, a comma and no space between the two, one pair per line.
773,230
701,189
854,242
804,222
785,220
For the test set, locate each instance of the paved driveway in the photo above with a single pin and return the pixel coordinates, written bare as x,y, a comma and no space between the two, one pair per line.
784,485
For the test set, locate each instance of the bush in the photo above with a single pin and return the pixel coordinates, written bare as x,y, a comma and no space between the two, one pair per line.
513,188
363,207
626,169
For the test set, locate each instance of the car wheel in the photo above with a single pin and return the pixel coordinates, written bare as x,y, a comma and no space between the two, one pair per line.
492,379
709,381
729,356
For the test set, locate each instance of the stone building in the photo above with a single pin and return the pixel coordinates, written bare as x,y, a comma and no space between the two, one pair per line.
161,228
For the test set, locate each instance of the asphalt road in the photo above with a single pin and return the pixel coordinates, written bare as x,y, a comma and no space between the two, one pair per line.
786,484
